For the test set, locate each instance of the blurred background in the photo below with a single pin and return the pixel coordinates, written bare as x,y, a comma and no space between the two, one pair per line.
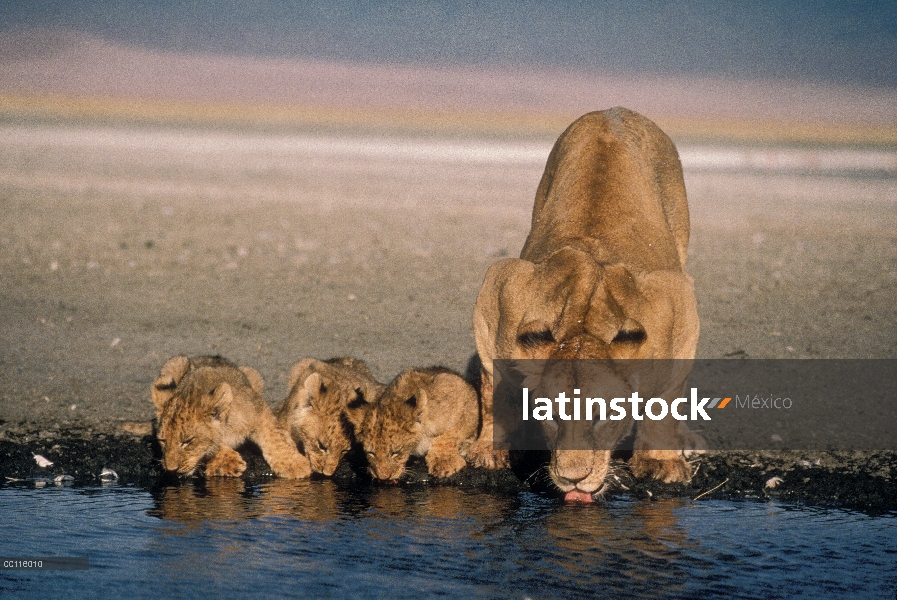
805,71
274,180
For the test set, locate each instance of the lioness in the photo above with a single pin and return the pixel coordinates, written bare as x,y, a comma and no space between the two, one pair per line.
208,406
429,412
601,276
315,411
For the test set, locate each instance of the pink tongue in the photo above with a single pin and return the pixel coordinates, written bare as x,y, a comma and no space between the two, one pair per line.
578,496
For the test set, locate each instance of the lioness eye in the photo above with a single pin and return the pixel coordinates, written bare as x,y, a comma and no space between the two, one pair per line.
634,336
532,339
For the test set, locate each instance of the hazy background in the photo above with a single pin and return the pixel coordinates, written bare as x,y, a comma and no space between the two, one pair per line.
844,42
805,71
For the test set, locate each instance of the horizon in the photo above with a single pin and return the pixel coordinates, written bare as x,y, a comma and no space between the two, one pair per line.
839,43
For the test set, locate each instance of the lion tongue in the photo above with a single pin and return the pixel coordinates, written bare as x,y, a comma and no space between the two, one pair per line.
578,496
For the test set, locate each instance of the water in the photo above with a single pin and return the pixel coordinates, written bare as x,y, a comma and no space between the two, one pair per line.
318,539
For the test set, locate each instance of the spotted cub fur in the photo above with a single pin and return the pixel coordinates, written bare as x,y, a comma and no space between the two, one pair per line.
429,412
315,411
208,406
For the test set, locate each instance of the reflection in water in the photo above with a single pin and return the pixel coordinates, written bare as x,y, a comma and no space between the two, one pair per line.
229,537
638,547
232,499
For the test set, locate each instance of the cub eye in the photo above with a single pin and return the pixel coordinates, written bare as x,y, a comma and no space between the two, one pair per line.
393,455
186,442
632,336
321,446
532,339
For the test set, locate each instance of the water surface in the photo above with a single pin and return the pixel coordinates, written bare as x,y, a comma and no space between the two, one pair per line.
318,539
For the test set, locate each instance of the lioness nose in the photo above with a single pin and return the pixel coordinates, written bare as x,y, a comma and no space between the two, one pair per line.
573,465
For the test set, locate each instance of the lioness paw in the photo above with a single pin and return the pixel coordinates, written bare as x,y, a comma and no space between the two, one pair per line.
482,455
668,470
227,463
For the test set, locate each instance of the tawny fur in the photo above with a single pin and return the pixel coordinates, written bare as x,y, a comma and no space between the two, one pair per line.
206,407
315,411
429,412
601,276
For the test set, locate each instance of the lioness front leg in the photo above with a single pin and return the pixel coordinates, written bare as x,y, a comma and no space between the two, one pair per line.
443,458
658,452
227,462
280,451
667,466
481,453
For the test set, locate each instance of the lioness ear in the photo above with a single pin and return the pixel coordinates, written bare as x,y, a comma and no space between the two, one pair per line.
495,308
255,379
222,398
675,290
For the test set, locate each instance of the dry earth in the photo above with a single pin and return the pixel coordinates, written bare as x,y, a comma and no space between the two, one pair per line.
123,245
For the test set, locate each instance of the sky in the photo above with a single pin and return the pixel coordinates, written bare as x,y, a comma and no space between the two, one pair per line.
844,42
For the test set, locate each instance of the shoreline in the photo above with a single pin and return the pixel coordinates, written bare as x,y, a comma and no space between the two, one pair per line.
860,481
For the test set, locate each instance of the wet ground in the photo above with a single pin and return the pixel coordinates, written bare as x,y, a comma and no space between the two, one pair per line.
863,481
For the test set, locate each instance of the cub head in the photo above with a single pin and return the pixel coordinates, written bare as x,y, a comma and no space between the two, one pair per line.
390,429
315,412
192,417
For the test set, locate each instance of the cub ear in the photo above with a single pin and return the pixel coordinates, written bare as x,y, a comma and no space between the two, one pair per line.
416,403
297,371
162,392
357,407
176,368
311,389
222,399
171,374
255,379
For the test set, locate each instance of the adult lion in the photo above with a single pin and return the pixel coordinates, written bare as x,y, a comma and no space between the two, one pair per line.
601,276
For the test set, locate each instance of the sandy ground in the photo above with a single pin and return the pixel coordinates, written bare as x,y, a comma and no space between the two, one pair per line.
121,246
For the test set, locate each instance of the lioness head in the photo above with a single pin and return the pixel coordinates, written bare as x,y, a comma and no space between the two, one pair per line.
569,306
193,399
390,428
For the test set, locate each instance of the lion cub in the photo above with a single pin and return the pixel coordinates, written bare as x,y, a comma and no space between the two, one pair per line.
425,412
315,411
206,407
